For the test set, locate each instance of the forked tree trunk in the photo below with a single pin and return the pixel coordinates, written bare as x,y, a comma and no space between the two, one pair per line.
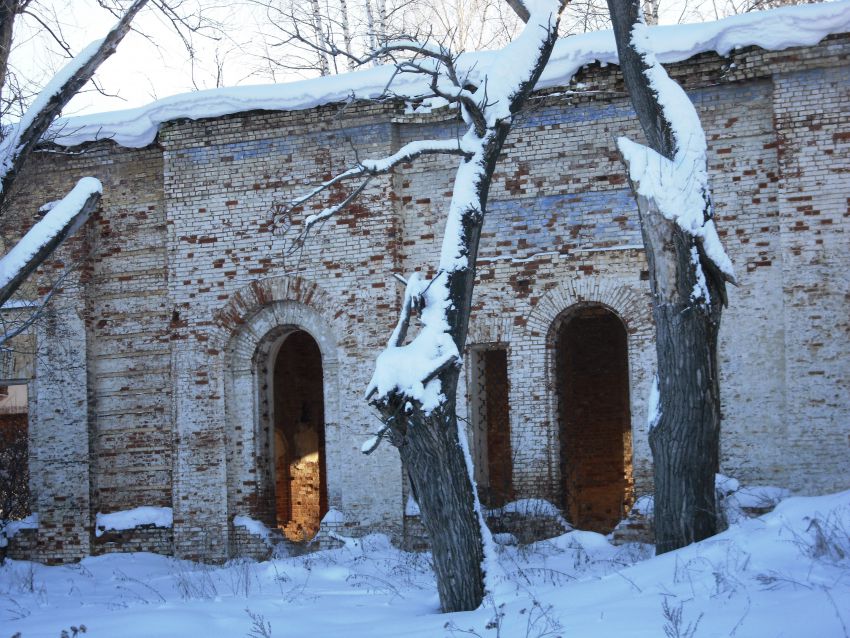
685,438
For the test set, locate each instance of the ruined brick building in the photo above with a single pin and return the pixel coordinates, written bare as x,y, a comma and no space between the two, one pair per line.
192,363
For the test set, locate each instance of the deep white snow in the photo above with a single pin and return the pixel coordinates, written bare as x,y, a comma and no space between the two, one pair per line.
786,574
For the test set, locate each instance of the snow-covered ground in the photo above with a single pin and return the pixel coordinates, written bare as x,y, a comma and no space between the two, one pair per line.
785,574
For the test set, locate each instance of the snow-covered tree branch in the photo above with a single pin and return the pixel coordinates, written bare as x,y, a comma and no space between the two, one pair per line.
61,221
66,216
366,169
18,143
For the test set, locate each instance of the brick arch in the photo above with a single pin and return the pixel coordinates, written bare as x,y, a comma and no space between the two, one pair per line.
250,329
631,305
249,300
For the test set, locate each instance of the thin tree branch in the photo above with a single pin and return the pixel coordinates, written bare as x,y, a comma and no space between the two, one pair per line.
22,145
369,169
7,336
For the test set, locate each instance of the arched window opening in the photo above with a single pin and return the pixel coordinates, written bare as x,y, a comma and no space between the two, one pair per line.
299,437
595,424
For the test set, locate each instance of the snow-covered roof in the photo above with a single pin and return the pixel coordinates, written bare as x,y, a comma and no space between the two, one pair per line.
778,29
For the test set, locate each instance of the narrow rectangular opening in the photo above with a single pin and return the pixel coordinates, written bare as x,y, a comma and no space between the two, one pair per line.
490,420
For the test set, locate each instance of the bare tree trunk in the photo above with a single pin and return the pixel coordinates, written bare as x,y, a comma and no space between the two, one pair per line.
685,437
324,67
8,10
346,33
435,463
370,24
685,441
650,11
382,20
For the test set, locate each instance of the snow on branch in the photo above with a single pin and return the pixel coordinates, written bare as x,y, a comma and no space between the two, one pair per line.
62,220
364,169
25,134
678,185
411,369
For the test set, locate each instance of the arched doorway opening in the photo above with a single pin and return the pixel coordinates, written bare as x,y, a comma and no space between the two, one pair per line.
299,437
592,373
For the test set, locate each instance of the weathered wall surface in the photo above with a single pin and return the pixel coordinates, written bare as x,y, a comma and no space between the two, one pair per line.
100,428
221,179
187,294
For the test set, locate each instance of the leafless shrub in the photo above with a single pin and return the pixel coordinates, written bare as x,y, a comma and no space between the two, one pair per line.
829,538
540,622
374,585
129,585
242,576
197,584
674,626
23,580
16,611
774,580
290,591
260,627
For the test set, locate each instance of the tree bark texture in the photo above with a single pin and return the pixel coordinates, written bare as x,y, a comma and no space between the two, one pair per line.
686,437
685,440
438,473
8,11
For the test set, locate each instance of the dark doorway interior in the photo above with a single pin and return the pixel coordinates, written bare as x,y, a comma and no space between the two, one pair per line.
593,382
299,437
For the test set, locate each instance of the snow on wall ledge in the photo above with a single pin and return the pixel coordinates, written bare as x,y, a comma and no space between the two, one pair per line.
136,517
771,30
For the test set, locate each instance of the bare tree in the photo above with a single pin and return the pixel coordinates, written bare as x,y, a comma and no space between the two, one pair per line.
469,25
688,273
414,387
297,37
722,8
